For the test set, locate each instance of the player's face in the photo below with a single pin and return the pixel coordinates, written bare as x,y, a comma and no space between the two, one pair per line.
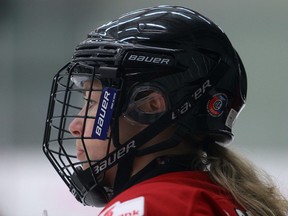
97,149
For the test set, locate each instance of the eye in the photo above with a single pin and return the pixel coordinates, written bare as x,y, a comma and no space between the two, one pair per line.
90,103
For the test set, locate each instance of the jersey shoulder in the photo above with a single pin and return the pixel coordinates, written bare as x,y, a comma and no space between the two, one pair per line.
179,193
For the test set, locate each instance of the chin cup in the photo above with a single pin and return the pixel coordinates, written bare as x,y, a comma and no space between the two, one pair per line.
87,190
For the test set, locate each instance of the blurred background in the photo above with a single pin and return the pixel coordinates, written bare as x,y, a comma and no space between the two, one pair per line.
37,37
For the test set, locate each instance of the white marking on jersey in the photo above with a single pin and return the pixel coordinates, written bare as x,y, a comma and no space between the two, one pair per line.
240,213
133,207
226,213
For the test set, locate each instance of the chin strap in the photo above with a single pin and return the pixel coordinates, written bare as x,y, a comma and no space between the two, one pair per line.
82,190
162,165
166,144
123,174
125,166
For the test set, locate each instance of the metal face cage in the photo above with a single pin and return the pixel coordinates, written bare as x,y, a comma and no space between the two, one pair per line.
65,104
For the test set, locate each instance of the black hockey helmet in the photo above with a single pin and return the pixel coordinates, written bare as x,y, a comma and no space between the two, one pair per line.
169,49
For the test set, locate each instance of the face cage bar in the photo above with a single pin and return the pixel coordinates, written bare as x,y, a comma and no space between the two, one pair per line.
59,143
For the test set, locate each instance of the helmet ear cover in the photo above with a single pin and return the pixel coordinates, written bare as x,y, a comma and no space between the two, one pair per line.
146,104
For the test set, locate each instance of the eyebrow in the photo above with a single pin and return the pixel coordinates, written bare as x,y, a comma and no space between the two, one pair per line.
85,90
96,85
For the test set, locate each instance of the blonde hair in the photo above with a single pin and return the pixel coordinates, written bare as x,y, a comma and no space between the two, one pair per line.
250,187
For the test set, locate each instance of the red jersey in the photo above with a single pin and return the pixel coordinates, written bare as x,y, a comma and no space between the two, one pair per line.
187,193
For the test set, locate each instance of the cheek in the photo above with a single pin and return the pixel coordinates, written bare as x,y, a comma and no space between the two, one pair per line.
89,127
97,149
128,129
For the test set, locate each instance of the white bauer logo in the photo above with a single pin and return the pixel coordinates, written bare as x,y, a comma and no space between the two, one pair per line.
114,157
149,59
102,113
196,95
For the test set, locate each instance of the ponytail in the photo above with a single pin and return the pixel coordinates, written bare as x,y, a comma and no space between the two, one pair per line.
251,188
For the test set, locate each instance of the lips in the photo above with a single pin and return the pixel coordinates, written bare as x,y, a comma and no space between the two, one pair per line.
80,154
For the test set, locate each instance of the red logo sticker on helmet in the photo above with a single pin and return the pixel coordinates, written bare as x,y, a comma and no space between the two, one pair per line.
217,104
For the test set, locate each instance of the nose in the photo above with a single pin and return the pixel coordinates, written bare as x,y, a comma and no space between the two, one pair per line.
76,125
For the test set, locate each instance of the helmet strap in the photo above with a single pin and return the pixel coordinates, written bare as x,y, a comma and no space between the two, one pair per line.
166,144
159,166
123,174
